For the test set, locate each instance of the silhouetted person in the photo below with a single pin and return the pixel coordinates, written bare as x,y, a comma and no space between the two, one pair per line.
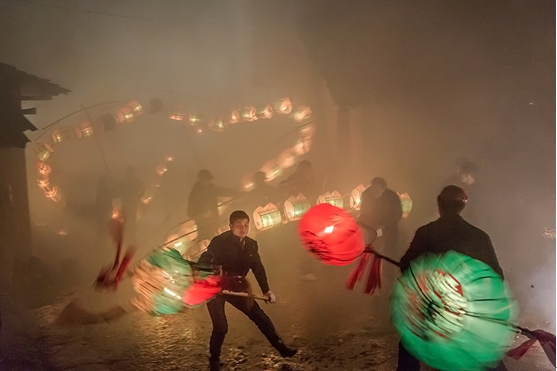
449,232
301,181
467,180
203,204
131,189
262,194
381,209
104,194
236,254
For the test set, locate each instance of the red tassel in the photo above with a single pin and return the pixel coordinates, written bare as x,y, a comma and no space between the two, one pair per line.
374,280
358,272
125,264
546,339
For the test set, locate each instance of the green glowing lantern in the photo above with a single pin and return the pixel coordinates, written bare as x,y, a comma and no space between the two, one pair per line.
43,151
248,113
302,113
62,134
196,119
283,106
406,203
135,108
454,312
266,217
217,125
334,198
296,207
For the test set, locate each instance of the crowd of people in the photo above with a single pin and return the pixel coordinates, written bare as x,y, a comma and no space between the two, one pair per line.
236,253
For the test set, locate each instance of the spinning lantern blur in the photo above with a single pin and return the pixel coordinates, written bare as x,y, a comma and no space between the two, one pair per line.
196,119
331,235
334,198
295,207
266,217
356,197
43,183
53,193
217,125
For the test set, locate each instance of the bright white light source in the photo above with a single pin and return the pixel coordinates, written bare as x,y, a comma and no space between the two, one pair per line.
329,229
170,292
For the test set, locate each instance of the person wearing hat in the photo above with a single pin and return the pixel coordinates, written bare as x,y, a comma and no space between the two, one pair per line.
203,203
449,232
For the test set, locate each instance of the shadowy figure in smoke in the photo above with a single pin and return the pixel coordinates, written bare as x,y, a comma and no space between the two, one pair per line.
203,204
131,189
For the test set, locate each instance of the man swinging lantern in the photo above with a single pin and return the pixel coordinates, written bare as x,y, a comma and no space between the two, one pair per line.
331,235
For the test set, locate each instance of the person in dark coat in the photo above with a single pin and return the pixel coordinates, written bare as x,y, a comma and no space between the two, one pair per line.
262,194
467,180
236,254
301,181
449,232
131,190
381,209
203,204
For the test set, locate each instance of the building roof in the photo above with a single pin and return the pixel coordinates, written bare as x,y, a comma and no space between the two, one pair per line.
32,87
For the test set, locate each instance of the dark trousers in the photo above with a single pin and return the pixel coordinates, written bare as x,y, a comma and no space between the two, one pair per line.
407,362
220,324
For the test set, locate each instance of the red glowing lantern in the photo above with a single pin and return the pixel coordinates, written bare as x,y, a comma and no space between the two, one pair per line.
136,108
44,182
249,113
233,117
43,168
331,235
54,194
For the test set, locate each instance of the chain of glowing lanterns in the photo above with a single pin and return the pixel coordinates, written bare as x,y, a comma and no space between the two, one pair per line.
129,112
273,216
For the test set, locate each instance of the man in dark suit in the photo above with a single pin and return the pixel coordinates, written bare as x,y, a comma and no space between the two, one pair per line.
236,254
